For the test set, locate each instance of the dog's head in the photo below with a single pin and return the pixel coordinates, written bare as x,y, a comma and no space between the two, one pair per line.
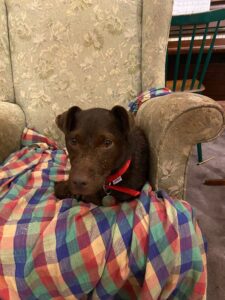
97,141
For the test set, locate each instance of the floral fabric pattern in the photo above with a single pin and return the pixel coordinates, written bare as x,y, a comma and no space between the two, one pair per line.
188,119
6,84
65,53
79,52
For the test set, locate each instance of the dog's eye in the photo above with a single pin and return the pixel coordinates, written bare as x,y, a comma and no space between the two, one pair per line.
73,141
107,143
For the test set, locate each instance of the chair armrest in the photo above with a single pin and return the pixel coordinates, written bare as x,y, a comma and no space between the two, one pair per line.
12,123
173,124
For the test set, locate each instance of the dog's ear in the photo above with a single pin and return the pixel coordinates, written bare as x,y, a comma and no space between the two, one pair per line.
122,117
66,121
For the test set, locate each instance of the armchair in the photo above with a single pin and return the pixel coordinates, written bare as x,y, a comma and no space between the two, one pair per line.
54,54
90,53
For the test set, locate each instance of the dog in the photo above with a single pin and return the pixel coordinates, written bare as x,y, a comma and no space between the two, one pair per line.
109,155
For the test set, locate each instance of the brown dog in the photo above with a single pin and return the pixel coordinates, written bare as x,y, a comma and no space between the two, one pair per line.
108,155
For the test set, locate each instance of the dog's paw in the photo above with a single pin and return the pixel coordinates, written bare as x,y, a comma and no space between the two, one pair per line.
61,190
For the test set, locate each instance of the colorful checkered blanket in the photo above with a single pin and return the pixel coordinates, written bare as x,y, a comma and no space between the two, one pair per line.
150,248
135,104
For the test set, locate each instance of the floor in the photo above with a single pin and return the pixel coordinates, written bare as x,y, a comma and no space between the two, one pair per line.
209,204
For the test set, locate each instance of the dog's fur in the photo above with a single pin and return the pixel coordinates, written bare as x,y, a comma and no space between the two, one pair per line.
99,141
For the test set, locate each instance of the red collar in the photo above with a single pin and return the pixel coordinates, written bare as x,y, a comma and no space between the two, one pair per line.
113,179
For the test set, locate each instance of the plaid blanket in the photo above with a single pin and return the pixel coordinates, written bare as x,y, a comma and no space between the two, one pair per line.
135,104
150,248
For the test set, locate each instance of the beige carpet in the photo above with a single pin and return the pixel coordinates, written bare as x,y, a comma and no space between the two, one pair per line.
209,202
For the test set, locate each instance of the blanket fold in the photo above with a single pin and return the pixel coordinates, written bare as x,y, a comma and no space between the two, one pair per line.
149,248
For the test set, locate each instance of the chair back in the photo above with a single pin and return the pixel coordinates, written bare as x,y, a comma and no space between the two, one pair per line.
192,39
84,52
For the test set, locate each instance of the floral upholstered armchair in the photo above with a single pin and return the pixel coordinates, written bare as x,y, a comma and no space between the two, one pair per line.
55,54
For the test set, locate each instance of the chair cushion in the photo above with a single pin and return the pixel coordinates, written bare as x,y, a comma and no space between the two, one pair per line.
149,248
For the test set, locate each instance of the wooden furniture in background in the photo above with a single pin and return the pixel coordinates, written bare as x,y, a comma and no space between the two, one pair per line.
192,41
214,81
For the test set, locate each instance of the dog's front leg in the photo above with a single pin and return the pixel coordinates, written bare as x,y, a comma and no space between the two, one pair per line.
61,190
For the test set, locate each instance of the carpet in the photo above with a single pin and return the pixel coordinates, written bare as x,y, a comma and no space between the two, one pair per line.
209,203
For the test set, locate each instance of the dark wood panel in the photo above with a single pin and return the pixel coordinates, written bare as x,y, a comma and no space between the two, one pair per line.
217,4
215,78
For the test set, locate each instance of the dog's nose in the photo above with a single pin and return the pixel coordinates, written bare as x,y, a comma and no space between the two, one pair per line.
80,182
